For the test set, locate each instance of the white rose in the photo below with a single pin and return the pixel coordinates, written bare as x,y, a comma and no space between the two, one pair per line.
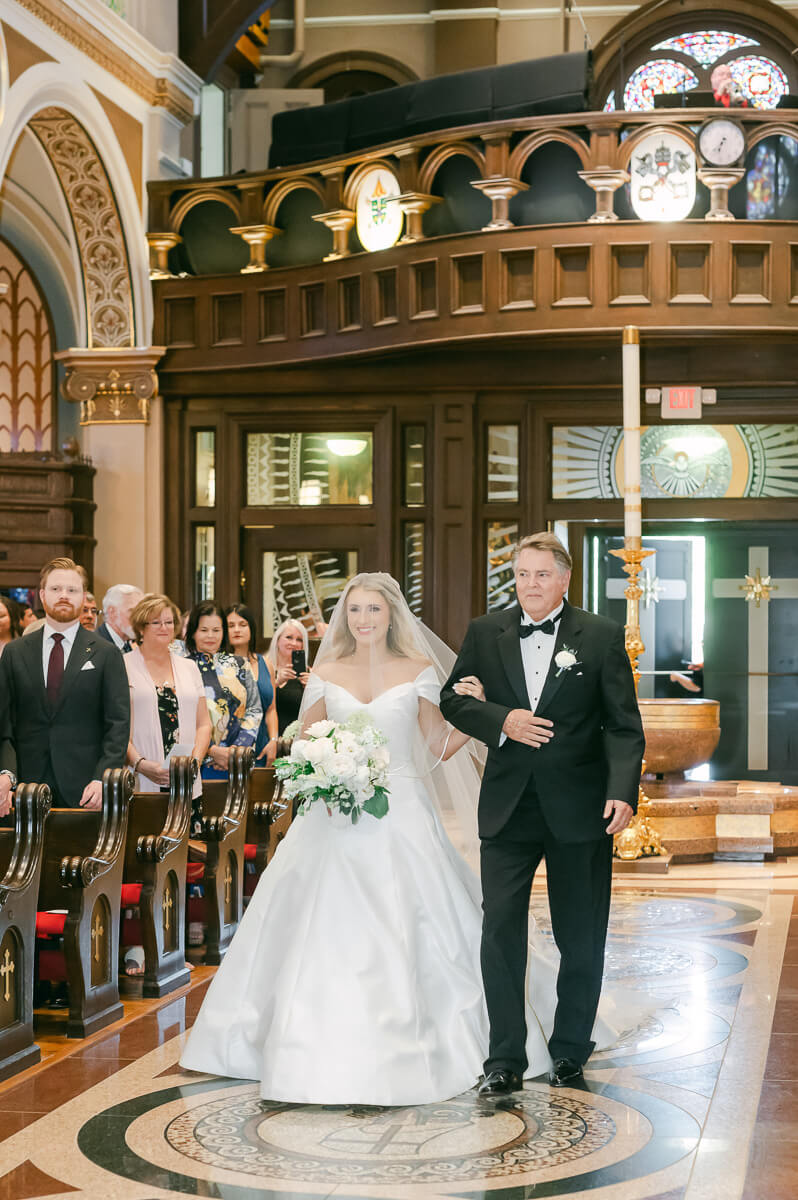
340,765
565,659
380,757
299,750
318,752
320,729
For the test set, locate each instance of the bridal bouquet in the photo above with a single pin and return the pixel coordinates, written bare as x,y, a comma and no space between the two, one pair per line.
342,764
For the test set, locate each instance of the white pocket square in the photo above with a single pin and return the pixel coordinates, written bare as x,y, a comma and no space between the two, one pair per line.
87,666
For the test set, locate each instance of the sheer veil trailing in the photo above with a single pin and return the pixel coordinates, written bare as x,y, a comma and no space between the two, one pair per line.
453,784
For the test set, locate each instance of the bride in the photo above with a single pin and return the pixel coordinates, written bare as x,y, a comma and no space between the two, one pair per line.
355,974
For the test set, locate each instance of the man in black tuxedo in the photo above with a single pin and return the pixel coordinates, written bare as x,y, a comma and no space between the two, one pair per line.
64,701
565,747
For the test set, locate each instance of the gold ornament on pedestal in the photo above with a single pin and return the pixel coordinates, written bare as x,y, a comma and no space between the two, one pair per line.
638,840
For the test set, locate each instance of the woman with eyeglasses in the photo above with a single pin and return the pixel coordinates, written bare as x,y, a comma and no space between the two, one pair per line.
167,698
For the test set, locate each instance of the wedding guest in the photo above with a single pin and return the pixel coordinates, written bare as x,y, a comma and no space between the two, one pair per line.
242,637
118,603
290,686
90,613
9,622
230,688
28,617
167,709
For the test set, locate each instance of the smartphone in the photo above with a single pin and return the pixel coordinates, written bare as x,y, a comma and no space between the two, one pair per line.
298,661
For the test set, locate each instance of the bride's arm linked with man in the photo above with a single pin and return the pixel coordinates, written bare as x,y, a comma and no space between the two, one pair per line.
565,746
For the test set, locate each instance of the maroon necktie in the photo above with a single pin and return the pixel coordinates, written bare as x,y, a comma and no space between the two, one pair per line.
55,669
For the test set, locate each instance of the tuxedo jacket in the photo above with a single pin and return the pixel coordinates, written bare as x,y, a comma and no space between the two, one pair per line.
86,731
596,752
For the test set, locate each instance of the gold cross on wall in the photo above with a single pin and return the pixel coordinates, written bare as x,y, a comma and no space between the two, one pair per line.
228,879
168,905
7,970
96,933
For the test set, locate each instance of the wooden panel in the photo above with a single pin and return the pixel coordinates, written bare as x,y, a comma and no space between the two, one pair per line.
750,273
179,313
272,315
349,303
468,283
630,278
573,284
517,278
793,270
312,317
386,307
689,275
424,289
226,320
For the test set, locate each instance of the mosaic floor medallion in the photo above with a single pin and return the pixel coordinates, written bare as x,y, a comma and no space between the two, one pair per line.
455,1141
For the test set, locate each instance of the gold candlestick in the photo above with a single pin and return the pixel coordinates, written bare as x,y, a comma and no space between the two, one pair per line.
638,840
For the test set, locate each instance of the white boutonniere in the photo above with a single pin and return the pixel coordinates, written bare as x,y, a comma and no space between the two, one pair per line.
565,659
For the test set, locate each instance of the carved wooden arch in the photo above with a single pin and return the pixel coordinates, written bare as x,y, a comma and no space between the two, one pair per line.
534,141
438,157
353,182
191,199
776,129
656,20
627,148
276,196
93,208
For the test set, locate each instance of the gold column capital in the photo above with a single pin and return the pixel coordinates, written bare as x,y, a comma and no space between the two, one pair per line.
114,386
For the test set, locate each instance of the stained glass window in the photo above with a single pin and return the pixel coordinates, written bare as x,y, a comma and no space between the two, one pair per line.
760,79
768,179
706,46
609,103
656,77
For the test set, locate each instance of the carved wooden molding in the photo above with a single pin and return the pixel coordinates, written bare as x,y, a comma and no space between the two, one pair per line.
159,90
113,387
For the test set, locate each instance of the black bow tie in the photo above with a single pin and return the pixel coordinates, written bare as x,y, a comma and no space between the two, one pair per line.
548,626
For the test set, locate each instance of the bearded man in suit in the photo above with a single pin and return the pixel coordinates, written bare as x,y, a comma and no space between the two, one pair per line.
64,701
565,746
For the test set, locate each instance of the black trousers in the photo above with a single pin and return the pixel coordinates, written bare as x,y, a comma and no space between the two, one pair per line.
579,878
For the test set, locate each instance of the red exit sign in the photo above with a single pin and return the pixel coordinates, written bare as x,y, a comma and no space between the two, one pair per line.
682,400
682,403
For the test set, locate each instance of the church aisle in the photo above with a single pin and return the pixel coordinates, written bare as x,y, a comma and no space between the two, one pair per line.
674,1112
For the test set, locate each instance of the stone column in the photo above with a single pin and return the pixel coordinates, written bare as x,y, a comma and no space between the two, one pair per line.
121,419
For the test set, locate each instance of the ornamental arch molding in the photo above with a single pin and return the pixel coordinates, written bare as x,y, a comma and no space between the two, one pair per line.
628,147
434,162
203,196
278,194
535,141
85,157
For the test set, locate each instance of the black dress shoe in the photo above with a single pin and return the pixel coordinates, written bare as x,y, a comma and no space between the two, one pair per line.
500,1083
565,1072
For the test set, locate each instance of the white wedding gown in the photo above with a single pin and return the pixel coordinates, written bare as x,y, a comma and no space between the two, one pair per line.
354,976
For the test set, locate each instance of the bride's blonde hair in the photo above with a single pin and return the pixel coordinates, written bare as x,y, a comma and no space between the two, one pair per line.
401,641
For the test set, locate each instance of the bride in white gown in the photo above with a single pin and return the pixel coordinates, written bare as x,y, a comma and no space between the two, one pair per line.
355,974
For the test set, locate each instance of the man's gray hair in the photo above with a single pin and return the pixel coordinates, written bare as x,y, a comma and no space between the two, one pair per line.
545,541
113,597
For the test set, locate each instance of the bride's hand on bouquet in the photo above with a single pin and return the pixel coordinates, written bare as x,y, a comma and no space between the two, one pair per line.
469,685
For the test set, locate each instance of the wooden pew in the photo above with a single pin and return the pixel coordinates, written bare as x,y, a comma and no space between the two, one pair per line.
224,828
268,819
156,854
84,858
21,857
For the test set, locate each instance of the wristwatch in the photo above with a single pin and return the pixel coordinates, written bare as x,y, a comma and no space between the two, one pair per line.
11,776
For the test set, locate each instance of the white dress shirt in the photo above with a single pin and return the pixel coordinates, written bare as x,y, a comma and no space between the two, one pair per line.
69,636
118,641
536,655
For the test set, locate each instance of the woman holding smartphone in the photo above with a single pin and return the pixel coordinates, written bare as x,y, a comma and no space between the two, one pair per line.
288,655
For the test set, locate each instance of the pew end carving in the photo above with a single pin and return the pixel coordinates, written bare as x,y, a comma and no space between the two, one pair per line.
224,827
21,856
87,882
156,856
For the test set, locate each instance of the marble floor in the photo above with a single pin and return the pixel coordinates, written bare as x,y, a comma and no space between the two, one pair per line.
699,1103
